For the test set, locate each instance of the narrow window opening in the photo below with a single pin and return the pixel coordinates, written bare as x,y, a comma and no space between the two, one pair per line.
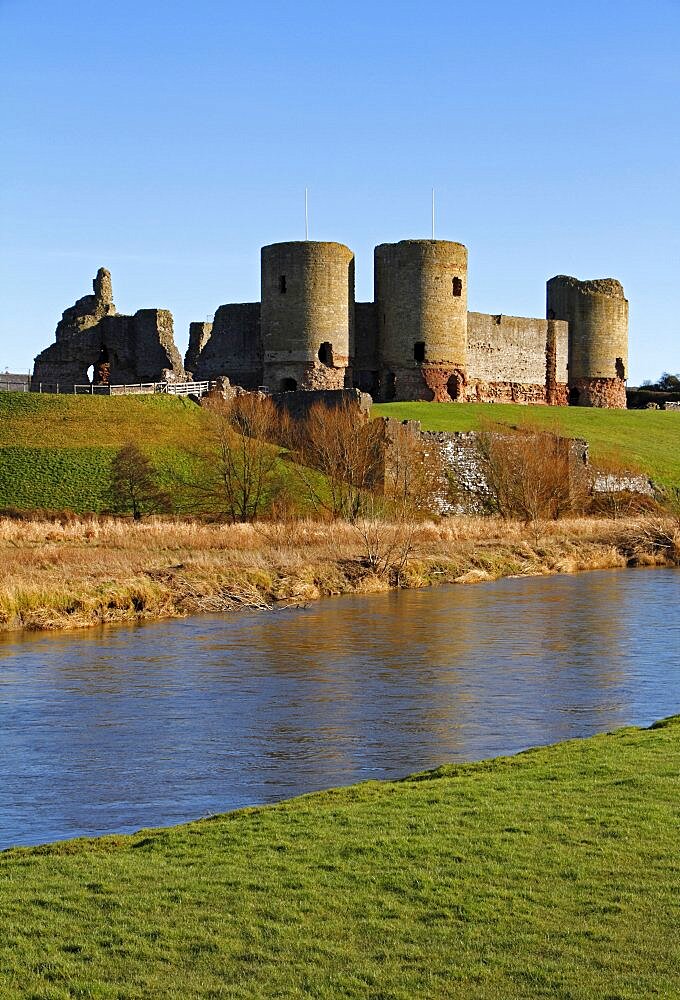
288,385
456,287
390,386
574,396
419,351
620,368
90,374
326,354
282,284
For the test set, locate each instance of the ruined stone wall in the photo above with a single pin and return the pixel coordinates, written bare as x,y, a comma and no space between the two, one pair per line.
366,358
298,403
465,488
307,319
199,335
233,347
154,345
516,359
597,313
14,381
421,303
121,349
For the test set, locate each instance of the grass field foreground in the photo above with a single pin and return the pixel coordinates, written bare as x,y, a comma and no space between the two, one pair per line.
649,440
553,873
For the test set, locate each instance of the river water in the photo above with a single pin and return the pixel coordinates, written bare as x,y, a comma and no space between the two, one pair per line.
121,727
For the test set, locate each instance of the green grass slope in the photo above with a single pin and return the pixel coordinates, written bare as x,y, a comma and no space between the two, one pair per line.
649,439
550,874
56,451
50,421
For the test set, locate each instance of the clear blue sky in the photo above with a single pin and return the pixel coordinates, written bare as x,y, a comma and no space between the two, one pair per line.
168,141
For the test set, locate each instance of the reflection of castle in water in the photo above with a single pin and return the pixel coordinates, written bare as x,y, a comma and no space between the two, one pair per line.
173,720
447,674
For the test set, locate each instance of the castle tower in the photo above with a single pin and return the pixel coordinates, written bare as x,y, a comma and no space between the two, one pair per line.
307,318
597,313
421,303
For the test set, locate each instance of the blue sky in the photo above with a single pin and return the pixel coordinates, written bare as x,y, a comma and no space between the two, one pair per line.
169,141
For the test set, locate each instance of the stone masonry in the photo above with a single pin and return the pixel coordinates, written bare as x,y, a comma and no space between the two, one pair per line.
119,349
416,340
597,317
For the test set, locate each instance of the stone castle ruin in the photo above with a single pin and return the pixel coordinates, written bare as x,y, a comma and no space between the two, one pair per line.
92,337
415,341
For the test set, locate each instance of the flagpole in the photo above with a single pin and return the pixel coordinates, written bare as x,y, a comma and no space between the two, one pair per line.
432,213
306,216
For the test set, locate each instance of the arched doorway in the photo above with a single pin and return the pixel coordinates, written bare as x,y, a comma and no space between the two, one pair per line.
288,385
454,385
102,368
326,354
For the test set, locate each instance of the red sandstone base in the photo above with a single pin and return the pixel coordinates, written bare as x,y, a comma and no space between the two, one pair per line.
605,393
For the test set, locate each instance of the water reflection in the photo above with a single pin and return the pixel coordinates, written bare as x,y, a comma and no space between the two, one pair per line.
117,728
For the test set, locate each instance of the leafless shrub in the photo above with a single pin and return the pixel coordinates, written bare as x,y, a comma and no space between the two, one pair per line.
533,475
380,478
347,450
392,511
237,471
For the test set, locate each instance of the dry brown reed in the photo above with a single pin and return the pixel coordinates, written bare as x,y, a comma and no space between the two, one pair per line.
89,571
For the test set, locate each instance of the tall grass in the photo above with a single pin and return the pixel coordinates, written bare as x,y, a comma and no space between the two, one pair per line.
92,570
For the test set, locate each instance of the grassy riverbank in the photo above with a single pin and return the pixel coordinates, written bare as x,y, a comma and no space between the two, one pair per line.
550,874
88,571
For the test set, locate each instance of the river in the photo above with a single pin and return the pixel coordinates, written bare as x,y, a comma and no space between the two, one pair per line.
121,727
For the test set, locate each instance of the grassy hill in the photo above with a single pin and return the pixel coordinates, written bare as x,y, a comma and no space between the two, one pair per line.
550,874
31,420
648,439
56,451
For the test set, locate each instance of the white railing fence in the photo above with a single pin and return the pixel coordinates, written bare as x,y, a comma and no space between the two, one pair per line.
88,389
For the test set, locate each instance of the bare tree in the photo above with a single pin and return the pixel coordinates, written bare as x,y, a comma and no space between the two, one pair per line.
380,477
533,475
238,472
347,449
412,482
134,484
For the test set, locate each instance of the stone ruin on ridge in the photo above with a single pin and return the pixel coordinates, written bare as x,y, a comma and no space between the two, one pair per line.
120,349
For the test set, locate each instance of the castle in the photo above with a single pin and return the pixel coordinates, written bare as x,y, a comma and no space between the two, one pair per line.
415,341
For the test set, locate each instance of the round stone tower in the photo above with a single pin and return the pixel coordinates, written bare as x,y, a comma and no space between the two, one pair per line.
597,313
307,317
421,302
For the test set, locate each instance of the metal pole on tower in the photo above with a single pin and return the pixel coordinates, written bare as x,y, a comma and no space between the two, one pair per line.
306,216
432,213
